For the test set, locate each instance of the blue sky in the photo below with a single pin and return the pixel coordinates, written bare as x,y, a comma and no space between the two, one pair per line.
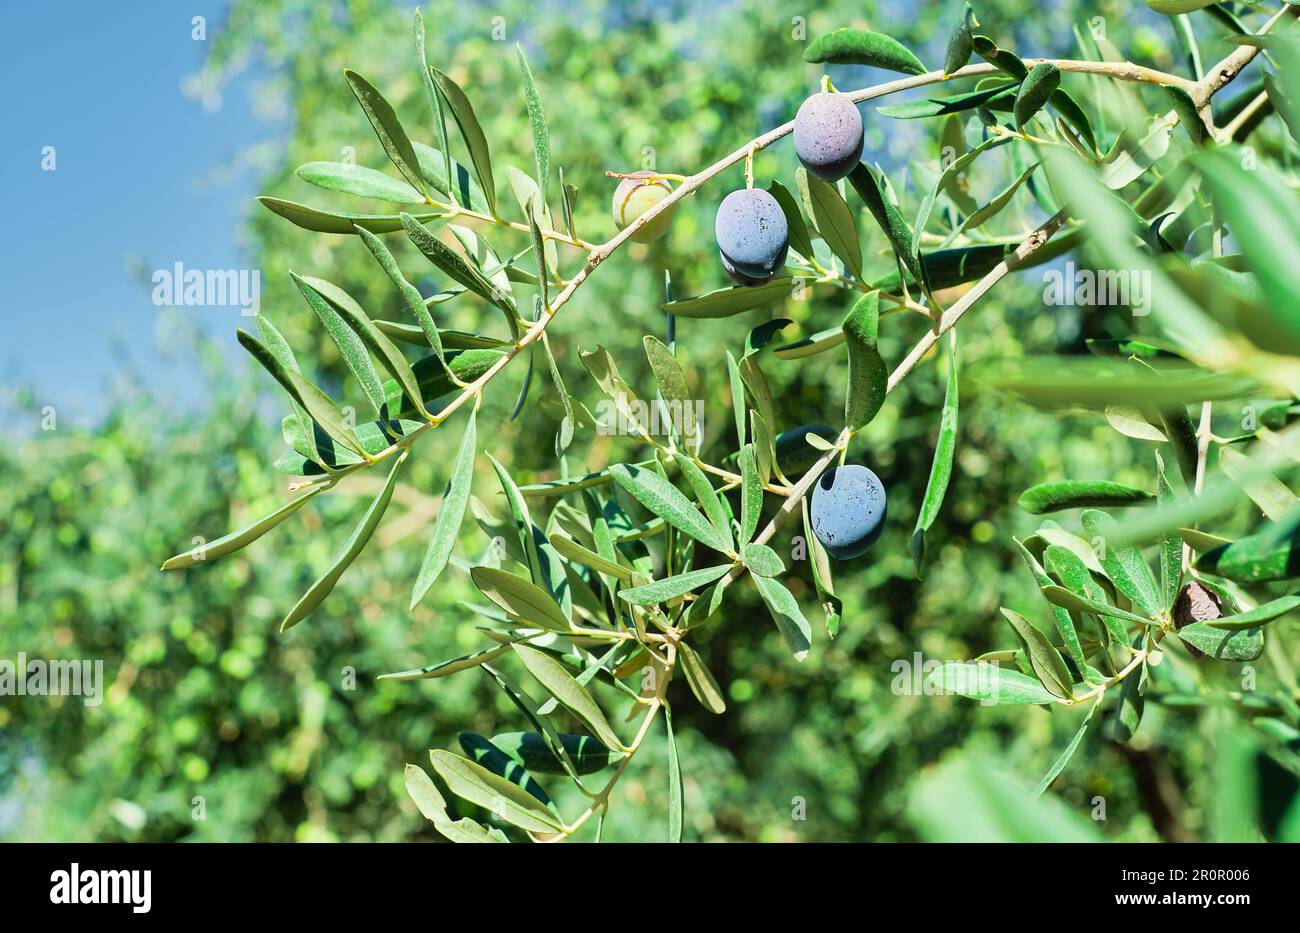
146,176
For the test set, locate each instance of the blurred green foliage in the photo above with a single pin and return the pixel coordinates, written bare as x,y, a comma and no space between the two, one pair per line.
290,737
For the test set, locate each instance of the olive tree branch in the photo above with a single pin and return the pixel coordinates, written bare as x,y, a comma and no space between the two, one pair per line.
597,254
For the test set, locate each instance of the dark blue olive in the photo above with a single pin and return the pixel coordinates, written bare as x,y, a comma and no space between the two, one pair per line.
848,510
828,135
753,236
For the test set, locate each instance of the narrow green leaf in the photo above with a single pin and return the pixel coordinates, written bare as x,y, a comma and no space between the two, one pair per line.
868,373
319,220
990,684
1171,545
450,514
531,750
505,799
1128,712
1064,623
785,611
674,782
442,256
708,498
462,112
316,403
738,406
520,597
462,188
1064,758
868,186
1253,618
421,789
354,546
351,178
941,466
751,494
700,679
1080,494
832,218
371,333
736,299
1045,660
1224,644
954,103
434,100
350,345
1068,567
960,45
659,591
860,47
443,668
1272,496
671,380
537,122
762,560
664,500
1068,599
411,296
229,543
1123,563
576,552
1037,88
572,695
388,128
1269,555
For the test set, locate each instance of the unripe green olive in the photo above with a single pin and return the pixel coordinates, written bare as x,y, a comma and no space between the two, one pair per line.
636,195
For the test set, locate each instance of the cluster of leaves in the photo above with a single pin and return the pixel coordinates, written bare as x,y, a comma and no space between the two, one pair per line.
608,588
1210,228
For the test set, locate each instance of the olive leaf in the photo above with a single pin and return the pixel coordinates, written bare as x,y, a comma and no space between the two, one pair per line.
450,514
868,186
462,112
359,180
1046,661
662,499
356,543
659,591
960,42
700,680
388,128
832,218
501,797
860,47
240,538
319,220
785,611
1035,91
319,406
572,695
868,373
989,684
675,791
1266,556
537,122
941,466
1123,563
1079,494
